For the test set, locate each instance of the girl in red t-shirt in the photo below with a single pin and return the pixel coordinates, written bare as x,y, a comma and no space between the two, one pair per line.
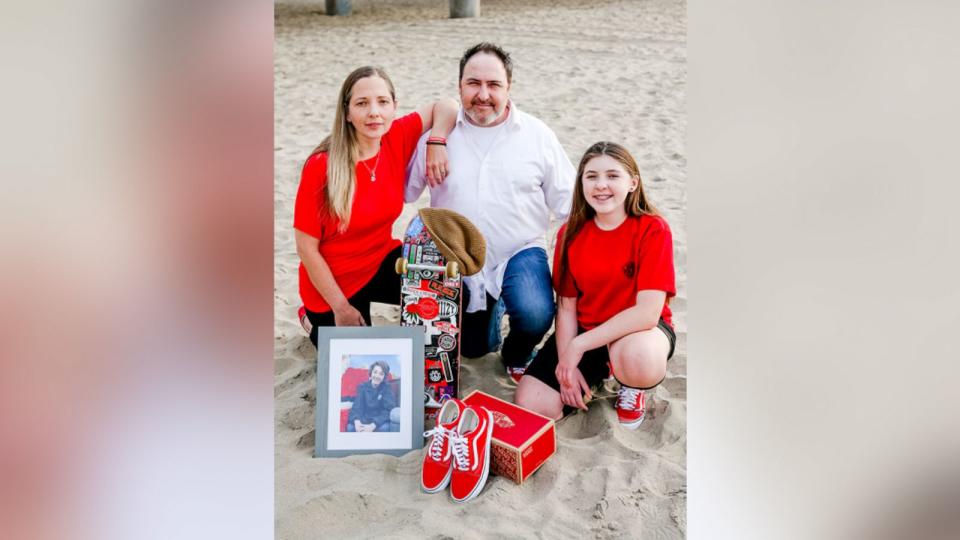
613,273
351,192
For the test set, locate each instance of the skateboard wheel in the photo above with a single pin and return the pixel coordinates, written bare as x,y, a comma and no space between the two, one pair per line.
400,266
452,270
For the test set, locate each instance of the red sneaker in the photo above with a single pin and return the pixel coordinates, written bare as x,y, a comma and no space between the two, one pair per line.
471,453
304,321
631,406
516,373
437,462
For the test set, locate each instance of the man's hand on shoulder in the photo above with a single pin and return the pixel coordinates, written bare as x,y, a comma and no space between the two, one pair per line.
437,164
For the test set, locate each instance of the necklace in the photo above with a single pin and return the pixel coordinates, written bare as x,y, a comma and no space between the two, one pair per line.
373,171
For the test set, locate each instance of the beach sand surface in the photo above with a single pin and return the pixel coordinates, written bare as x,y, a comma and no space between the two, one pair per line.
600,70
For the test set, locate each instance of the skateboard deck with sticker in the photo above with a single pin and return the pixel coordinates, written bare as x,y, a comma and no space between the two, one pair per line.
431,296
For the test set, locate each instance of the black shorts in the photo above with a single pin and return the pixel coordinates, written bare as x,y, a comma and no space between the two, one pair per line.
595,364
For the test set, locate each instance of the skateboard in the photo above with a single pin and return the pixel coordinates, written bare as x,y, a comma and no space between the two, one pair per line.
431,296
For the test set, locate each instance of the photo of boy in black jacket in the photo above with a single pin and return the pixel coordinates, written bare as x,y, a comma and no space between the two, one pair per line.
373,402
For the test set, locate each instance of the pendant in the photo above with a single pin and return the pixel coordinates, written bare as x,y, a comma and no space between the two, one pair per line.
373,177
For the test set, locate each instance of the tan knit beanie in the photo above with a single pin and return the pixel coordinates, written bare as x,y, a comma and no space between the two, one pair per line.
457,238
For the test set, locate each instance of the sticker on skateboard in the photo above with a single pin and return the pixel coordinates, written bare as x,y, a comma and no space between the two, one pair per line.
431,296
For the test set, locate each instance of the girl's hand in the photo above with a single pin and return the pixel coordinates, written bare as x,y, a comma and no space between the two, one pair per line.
437,164
567,365
572,395
348,316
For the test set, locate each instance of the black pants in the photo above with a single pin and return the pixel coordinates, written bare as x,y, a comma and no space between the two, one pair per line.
383,288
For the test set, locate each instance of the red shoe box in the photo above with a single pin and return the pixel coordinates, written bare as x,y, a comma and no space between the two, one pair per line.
522,439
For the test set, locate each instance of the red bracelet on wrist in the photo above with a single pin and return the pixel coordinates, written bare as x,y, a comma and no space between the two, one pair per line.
434,139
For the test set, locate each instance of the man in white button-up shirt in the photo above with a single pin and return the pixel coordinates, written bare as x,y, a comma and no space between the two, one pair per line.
507,174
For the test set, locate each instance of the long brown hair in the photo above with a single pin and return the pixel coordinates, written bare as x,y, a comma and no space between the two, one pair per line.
343,150
636,204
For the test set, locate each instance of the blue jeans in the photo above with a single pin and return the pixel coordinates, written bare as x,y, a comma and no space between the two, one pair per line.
527,298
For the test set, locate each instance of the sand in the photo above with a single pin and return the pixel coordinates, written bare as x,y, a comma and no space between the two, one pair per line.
592,71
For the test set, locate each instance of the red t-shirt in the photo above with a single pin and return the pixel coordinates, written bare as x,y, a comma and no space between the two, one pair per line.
355,254
608,268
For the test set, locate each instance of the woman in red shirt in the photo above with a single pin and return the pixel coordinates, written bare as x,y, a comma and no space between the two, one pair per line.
613,273
351,192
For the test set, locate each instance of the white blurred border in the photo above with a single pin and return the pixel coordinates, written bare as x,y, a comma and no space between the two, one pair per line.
136,380
823,264
136,369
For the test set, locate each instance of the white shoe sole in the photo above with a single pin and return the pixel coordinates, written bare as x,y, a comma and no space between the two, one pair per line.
486,464
443,485
635,424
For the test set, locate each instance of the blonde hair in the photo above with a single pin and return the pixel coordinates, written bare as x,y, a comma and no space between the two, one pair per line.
343,151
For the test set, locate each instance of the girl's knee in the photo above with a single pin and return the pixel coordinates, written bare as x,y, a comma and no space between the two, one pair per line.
525,398
641,366
537,400
642,376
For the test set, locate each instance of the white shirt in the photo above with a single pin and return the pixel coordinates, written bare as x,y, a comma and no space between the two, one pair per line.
506,180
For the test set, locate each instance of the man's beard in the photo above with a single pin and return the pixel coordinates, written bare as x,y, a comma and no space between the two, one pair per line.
485,119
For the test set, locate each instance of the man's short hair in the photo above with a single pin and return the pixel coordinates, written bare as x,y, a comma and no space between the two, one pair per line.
485,47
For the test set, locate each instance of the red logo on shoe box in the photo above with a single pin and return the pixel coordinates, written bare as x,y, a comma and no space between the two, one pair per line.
502,420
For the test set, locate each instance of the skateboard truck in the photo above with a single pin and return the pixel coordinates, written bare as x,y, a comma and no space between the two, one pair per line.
451,270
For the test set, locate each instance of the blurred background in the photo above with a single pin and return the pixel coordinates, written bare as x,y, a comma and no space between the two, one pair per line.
135,386
136,265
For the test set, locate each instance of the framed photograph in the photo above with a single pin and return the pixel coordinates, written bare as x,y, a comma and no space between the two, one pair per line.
369,390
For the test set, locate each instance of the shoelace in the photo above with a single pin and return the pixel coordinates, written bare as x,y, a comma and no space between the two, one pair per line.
436,447
628,398
461,456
